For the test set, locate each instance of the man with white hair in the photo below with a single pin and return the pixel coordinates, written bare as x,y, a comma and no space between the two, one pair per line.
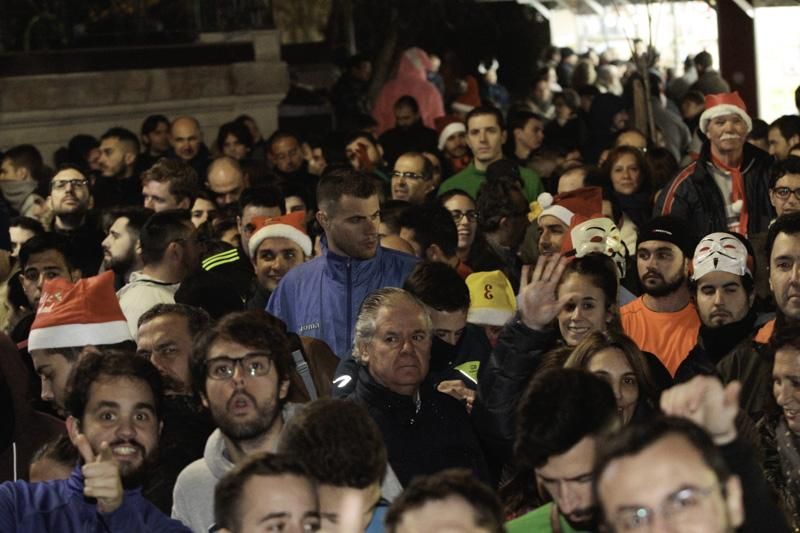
726,189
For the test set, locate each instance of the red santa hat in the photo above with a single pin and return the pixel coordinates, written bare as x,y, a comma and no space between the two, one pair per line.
289,226
78,314
724,104
470,98
584,201
446,126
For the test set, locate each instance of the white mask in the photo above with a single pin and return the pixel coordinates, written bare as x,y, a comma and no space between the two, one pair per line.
600,235
720,252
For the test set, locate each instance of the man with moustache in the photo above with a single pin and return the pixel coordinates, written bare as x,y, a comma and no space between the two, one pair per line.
726,188
321,297
412,178
241,369
663,321
115,421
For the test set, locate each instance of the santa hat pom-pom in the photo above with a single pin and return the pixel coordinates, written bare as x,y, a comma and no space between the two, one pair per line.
736,206
545,200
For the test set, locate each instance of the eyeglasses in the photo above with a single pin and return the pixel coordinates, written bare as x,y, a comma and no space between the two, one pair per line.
224,368
471,215
784,192
75,184
679,508
408,175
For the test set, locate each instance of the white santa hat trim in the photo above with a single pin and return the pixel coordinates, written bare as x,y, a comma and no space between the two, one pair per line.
451,129
280,230
488,316
80,335
560,212
724,109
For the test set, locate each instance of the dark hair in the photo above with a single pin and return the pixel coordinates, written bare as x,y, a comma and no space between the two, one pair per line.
663,166
254,329
645,174
124,136
289,189
559,408
760,130
486,110
443,198
60,450
343,181
228,493
150,124
788,125
703,59
44,243
520,117
182,178
281,134
427,166
432,224
238,130
788,223
352,136
494,203
262,196
76,152
27,223
600,270
407,101
338,442
457,482
136,215
391,210
695,97
197,319
94,366
438,286
634,438
26,156
790,165
160,230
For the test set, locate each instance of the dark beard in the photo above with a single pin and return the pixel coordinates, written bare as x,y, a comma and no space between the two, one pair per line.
666,289
240,431
140,476
122,266
590,524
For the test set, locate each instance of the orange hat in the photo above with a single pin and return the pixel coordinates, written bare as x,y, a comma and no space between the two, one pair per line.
724,104
585,201
78,314
289,226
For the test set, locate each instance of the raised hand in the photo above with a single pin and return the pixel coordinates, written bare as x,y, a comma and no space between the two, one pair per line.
538,303
459,391
101,475
704,401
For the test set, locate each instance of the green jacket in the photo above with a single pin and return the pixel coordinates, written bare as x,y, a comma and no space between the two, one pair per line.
538,521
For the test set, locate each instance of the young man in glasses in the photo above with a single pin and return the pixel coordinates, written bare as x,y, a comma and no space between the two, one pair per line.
70,200
784,186
241,370
412,178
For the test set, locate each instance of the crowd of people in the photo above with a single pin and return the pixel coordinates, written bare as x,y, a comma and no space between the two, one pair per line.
462,310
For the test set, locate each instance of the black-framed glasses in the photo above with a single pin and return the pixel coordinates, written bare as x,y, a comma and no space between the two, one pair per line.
408,175
679,508
224,368
471,215
60,185
784,192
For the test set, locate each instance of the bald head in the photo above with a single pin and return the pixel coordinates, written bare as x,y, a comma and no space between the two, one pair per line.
226,180
186,137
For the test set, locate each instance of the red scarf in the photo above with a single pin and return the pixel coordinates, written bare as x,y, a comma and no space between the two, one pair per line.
737,192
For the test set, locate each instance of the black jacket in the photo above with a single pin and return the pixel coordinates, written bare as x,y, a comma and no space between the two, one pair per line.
422,438
694,196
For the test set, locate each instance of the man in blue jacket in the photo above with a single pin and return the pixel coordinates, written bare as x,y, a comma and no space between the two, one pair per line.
321,297
115,420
